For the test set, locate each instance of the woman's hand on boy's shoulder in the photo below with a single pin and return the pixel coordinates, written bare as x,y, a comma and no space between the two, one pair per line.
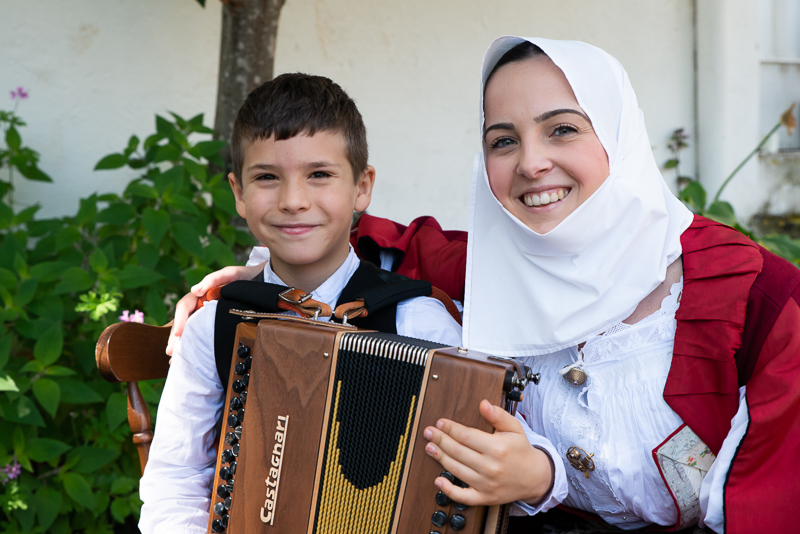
188,303
497,468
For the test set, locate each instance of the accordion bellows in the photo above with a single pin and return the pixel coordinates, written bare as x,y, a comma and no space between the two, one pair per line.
323,431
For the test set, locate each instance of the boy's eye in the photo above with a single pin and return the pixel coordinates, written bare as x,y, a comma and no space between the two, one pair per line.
266,177
501,142
320,174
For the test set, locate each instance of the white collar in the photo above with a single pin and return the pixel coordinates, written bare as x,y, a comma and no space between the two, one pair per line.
530,294
329,291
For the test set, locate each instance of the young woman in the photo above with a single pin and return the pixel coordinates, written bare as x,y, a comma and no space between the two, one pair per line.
669,345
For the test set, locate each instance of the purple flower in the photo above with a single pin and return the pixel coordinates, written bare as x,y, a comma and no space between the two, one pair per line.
11,471
135,317
20,93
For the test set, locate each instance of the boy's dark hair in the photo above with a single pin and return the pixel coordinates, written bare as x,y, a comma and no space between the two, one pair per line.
521,52
297,103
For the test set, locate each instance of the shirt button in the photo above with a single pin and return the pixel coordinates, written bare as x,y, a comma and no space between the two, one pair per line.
624,518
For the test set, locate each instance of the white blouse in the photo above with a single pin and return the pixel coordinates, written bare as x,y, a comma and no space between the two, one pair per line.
619,415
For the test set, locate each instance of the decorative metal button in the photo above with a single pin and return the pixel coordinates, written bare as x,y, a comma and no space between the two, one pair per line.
439,518
580,460
575,376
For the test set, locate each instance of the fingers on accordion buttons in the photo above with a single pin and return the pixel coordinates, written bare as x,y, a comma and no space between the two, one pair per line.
243,351
458,521
439,518
449,476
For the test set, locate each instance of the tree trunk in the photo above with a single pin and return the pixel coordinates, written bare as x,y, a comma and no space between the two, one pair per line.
246,58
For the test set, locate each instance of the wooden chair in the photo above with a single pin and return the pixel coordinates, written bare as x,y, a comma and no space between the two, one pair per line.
129,352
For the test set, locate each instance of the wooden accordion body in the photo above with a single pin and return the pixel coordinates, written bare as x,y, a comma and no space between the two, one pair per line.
322,431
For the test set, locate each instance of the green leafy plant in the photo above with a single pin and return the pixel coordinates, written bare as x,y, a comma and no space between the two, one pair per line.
62,281
693,194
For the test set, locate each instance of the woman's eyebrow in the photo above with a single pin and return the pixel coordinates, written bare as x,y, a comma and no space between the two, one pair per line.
550,114
498,126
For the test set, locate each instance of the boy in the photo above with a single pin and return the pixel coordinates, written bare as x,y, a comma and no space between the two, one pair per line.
300,169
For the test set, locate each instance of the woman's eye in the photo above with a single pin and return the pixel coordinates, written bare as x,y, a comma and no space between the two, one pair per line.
563,130
501,142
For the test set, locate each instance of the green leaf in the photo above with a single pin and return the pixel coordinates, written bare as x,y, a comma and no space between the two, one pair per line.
202,2
26,412
133,144
112,161
5,351
45,449
120,509
182,203
721,211
59,370
135,276
7,383
48,504
782,245
79,490
25,292
167,153
49,270
116,410
7,278
195,169
155,308
156,223
671,164
98,260
142,190
73,280
26,215
74,392
117,214
48,393
694,195
147,255
122,485
49,346
188,238
13,140
224,200
209,148
90,459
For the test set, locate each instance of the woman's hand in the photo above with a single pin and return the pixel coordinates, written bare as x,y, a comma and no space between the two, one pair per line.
498,468
186,305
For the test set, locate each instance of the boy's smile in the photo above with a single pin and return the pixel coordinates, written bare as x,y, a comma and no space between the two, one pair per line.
298,196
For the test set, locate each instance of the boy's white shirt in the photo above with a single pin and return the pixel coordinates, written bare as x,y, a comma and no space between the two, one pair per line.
176,485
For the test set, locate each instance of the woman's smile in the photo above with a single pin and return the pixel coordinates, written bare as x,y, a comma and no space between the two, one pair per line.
548,197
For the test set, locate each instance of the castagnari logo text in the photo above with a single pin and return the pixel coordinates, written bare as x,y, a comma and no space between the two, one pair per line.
274,478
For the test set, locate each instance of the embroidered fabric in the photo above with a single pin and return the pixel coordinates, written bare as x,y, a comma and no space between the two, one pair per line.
618,415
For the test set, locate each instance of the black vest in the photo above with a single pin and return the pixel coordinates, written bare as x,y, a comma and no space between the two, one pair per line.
381,291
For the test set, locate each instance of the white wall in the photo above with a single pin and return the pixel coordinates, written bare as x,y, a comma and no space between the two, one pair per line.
98,71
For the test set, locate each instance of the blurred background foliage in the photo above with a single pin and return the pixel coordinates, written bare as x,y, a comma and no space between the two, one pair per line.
70,465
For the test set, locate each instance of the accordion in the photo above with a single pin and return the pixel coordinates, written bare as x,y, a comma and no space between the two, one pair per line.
322,431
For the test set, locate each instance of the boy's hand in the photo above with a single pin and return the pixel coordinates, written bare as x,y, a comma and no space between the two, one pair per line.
186,305
498,468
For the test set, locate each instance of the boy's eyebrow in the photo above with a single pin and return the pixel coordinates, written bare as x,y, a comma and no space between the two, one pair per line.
541,118
309,165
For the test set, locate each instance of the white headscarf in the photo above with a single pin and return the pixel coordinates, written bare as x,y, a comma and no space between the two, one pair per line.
530,294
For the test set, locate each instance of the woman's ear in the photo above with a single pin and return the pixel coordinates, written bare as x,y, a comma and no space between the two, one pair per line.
364,186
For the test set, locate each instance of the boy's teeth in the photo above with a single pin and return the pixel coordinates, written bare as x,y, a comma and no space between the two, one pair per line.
532,199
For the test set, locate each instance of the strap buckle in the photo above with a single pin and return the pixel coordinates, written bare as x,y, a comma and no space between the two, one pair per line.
284,295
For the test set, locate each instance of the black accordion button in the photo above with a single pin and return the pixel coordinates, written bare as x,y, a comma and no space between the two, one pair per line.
246,379
227,456
233,420
235,404
219,508
227,503
239,368
216,526
243,351
243,396
235,450
238,432
222,491
458,522
439,518
460,507
232,468
449,476
434,532
225,473
238,386
229,486
442,499
230,439
240,414
225,521
248,362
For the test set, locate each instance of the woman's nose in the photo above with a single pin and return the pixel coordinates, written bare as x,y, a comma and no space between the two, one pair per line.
534,161
293,197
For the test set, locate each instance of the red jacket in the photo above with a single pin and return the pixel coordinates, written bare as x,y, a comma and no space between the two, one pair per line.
738,324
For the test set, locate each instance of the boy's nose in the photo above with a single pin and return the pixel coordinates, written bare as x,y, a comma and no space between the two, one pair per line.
293,198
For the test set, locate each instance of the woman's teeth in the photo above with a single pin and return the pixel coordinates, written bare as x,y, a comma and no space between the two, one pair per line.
542,199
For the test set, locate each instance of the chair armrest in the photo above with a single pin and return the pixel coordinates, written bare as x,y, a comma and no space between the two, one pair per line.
129,352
